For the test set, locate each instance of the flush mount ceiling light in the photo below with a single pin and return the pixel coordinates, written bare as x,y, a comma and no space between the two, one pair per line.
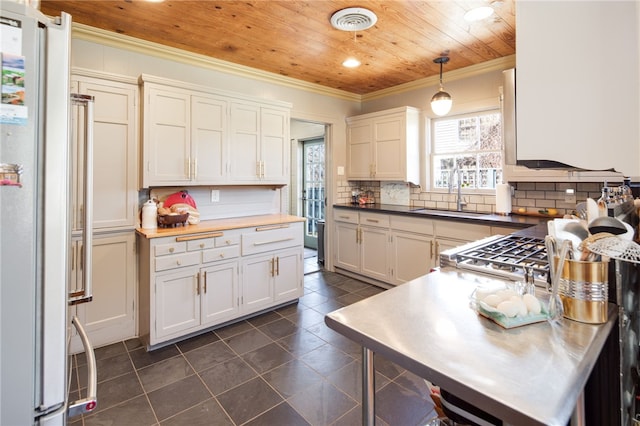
353,19
478,13
441,101
351,63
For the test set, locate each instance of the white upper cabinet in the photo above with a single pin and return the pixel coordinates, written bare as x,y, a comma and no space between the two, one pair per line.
384,146
115,154
201,136
259,144
577,84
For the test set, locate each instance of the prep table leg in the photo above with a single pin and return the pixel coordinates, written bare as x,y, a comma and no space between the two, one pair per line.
578,417
368,388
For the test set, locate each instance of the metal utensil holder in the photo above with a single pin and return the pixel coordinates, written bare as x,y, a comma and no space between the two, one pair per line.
583,289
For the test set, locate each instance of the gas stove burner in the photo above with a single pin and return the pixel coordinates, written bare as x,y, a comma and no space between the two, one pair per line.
513,257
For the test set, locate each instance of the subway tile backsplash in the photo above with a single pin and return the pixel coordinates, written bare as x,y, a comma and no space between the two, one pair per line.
532,196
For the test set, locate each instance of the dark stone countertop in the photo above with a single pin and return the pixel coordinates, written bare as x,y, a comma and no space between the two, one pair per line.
513,220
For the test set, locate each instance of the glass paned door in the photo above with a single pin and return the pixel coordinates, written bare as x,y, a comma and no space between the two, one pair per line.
313,189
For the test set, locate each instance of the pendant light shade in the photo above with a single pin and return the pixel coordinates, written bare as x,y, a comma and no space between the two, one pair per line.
441,101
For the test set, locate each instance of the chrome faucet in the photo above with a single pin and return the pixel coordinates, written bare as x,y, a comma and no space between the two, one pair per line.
460,203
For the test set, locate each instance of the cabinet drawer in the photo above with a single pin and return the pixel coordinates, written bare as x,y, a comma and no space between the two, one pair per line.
346,216
411,224
177,261
170,248
202,244
372,219
267,239
221,253
228,239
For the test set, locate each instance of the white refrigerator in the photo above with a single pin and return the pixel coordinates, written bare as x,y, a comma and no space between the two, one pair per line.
35,324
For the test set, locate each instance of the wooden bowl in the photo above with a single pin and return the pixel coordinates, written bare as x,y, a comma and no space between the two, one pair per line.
172,220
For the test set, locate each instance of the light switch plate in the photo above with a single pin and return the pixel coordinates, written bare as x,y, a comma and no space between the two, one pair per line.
215,195
569,195
340,170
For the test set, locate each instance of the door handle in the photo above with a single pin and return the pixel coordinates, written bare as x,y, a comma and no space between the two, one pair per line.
85,405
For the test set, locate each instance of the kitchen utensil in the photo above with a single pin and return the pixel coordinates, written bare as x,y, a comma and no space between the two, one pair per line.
555,302
579,229
614,247
607,224
592,210
581,210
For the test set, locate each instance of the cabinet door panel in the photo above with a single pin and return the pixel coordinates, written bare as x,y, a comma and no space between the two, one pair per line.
168,144
244,146
110,316
288,277
413,256
275,147
115,154
208,129
257,276
177,302
346,247
220,292
359,153
374,252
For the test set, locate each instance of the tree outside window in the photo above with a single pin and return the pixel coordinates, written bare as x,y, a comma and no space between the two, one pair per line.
471,145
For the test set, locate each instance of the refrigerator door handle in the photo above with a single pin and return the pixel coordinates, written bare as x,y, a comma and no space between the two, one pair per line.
89,403
86,295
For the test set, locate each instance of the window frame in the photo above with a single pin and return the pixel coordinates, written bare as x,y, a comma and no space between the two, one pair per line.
430,157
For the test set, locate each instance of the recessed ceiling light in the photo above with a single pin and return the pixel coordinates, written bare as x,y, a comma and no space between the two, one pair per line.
478,14
351,63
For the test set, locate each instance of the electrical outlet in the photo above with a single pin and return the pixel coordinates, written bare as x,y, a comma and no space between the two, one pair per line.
215,195
569,196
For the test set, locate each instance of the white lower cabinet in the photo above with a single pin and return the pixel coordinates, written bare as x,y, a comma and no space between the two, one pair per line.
192,282
111,315
177,303
412,256
271,278
394,249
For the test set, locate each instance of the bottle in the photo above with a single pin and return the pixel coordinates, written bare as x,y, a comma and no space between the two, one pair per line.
603,202
150,215
625,190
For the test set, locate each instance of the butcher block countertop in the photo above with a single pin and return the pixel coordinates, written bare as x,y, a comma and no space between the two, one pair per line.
220,225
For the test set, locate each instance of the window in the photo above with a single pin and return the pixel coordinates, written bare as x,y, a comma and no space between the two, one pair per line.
469,146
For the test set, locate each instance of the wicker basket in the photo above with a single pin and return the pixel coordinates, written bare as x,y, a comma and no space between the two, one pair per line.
172,220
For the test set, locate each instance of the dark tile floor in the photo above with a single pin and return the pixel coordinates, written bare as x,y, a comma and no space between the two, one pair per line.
284,367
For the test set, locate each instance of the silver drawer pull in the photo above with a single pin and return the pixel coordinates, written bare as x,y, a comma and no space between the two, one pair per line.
268,228
200,236
261,243
344,217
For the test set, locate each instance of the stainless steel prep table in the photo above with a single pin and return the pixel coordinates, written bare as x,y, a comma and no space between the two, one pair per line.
530,375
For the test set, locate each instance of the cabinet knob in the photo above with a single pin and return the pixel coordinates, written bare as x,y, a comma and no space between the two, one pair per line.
201,245
222,255
228,242
171,250
178,262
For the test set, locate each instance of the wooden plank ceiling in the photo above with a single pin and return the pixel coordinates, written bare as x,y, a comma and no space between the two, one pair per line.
296,39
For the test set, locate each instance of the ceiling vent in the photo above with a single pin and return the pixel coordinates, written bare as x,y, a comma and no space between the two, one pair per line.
353,19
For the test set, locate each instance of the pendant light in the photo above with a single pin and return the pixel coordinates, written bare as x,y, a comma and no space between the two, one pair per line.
441,101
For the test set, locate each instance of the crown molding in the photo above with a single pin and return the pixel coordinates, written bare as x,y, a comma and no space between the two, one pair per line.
121,41
467,72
